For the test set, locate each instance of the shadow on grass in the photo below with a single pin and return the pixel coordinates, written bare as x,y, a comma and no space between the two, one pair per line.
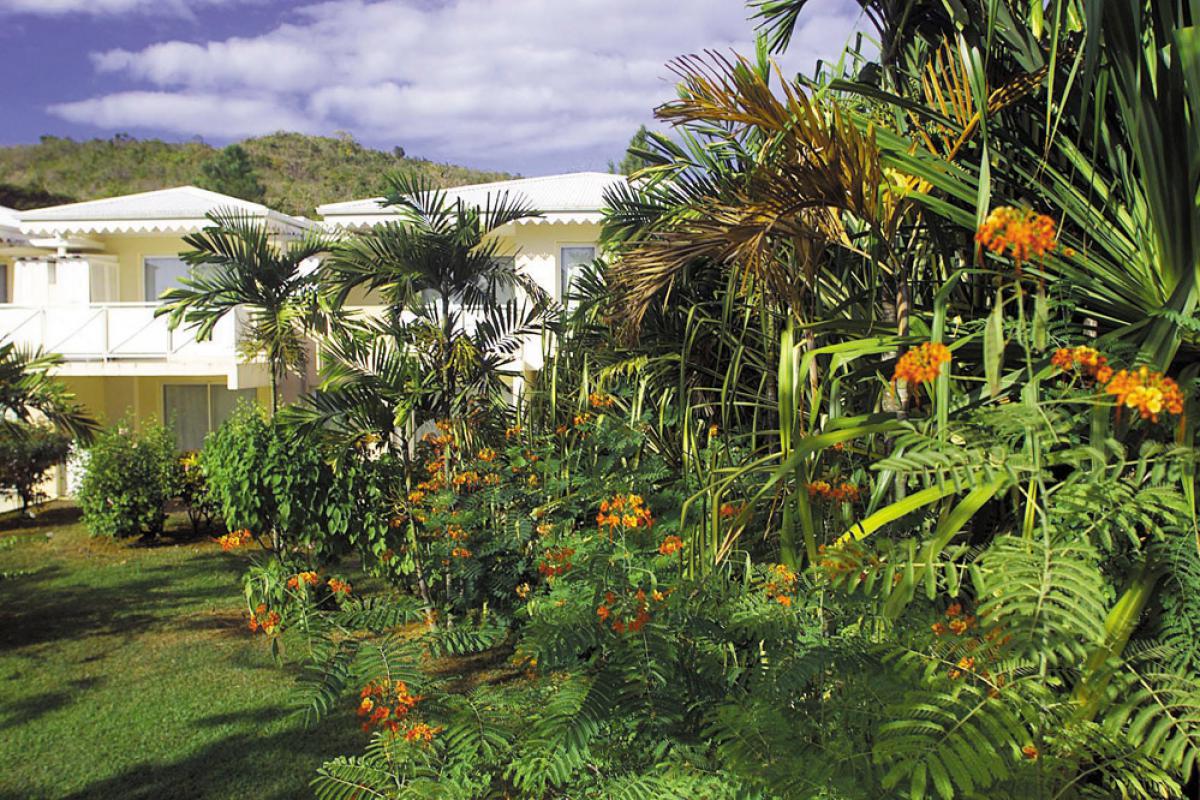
50,515
22,712
47,606
273,767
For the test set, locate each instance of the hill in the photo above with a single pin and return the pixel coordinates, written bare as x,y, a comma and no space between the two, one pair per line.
298,172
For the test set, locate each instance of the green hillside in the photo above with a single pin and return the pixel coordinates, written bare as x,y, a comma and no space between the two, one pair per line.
297,171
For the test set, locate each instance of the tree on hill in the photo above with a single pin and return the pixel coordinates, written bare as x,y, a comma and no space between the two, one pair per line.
231,172
24,198
634,158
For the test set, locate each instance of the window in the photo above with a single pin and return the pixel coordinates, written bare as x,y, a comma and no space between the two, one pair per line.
195,409
506,293
162,272
572,259
4,283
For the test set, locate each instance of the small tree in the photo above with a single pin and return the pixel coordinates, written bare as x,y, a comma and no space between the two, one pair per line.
229,171
27,453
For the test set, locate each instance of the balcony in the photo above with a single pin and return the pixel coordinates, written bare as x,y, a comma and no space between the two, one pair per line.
121,338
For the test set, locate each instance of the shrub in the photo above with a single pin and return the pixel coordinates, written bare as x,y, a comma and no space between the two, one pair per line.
27,452
129,475
194,492
266,479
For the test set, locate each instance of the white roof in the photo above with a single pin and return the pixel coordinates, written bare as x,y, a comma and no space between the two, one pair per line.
182,209
572,197
10,226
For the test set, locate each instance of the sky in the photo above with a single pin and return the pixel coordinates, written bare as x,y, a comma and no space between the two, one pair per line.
528,86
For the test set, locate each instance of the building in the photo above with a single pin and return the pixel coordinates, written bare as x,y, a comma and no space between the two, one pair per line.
83,279
88,291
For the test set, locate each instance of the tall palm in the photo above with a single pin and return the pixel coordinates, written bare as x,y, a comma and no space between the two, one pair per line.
449,297
238,262
29,392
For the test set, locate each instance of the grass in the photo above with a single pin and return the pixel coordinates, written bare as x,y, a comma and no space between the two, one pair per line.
127,671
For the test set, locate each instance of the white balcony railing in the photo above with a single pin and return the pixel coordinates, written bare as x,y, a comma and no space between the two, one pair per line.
114,331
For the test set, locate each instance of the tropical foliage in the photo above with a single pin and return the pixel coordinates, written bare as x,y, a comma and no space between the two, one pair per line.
863,465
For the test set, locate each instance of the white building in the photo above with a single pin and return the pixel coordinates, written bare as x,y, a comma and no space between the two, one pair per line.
83,279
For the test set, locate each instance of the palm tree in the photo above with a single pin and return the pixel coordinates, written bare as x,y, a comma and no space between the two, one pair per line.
450,301
28,392
238,263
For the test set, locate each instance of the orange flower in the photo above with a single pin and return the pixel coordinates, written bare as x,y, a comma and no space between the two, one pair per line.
582,419
307,578
843,492
460,552
421,732
487,454
1151,393
416,496
726,511
1030,752
784,600
234,539
1088,360
938,628
921,364
513,432
599,400
339,586
670,545
624,510
603,613
1022,232
523,591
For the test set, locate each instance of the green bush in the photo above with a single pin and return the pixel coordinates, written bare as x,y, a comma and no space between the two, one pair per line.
266,479
129,475
27,453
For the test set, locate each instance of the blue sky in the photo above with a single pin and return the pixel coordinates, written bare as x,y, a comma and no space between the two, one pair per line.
533,86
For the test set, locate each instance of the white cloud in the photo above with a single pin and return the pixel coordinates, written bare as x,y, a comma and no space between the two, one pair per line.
179,8
532,85
195,113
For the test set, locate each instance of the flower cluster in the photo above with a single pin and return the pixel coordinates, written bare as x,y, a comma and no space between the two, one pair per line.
1087,360
921,364
555,561
636,608
486,455
959,621
420,732
598,400
1022,232
263,620
460,552
339,586
670,545
1151,393
961,624
385,703
306,578
624,510
781,584
582,419
843,492
513,432
234,539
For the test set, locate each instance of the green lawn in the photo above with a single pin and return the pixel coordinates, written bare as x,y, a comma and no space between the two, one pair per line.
127,671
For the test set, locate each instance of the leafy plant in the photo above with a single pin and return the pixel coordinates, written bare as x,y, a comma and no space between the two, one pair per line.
129,476
27,454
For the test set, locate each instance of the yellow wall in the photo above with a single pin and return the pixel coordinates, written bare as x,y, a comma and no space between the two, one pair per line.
110,398
130,250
